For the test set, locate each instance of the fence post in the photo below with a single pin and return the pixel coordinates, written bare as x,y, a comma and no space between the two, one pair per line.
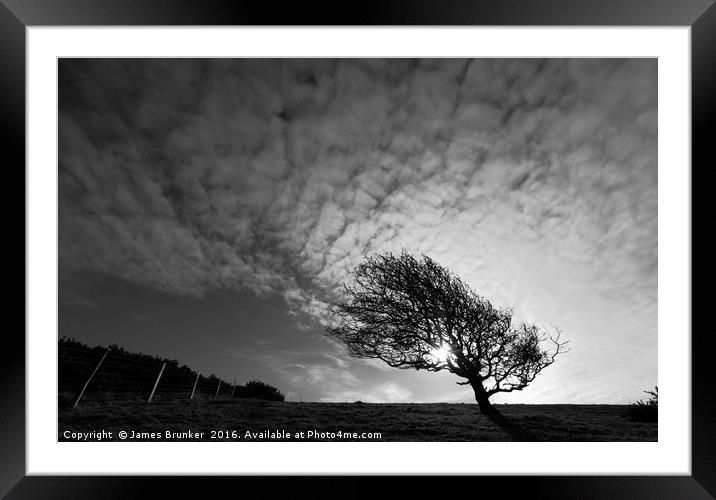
156,383
233,389
90,378
194,388
217,389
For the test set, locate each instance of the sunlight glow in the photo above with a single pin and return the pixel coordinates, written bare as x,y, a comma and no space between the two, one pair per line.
441,354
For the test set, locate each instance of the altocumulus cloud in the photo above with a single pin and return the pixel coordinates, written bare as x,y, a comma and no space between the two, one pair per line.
535,180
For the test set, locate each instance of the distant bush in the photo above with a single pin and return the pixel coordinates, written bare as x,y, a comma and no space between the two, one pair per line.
646,411
259,390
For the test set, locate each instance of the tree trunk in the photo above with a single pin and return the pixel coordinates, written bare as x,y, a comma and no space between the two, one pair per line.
483,400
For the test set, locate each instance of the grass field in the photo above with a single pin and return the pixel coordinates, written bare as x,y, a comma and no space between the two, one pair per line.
233,419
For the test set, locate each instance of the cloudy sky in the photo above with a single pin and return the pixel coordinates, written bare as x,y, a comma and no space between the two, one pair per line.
210,209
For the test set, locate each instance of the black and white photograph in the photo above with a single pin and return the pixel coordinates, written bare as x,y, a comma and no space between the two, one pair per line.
357,250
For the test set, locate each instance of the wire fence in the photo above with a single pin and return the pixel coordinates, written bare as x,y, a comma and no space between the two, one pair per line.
101,374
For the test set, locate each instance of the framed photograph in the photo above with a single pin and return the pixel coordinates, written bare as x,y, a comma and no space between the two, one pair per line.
396,244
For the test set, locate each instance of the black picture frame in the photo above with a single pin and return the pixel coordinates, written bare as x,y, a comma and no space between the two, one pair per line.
16,15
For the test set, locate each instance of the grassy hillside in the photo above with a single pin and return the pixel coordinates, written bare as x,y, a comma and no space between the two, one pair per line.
125,375
394,422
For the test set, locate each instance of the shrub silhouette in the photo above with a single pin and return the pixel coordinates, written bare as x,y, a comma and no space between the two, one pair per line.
255,389
645,411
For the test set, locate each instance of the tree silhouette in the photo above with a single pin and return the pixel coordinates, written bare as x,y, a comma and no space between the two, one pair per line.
413,313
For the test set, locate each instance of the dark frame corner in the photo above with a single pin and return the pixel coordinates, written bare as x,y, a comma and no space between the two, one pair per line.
16,15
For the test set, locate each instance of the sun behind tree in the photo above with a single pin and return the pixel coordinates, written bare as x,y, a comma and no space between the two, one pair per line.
413,313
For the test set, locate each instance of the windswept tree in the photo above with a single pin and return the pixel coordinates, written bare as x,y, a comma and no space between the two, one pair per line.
413,313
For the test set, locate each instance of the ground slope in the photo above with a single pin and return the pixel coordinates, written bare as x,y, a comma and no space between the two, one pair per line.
247,420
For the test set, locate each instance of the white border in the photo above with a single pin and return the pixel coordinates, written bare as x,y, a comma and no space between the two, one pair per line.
671,455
